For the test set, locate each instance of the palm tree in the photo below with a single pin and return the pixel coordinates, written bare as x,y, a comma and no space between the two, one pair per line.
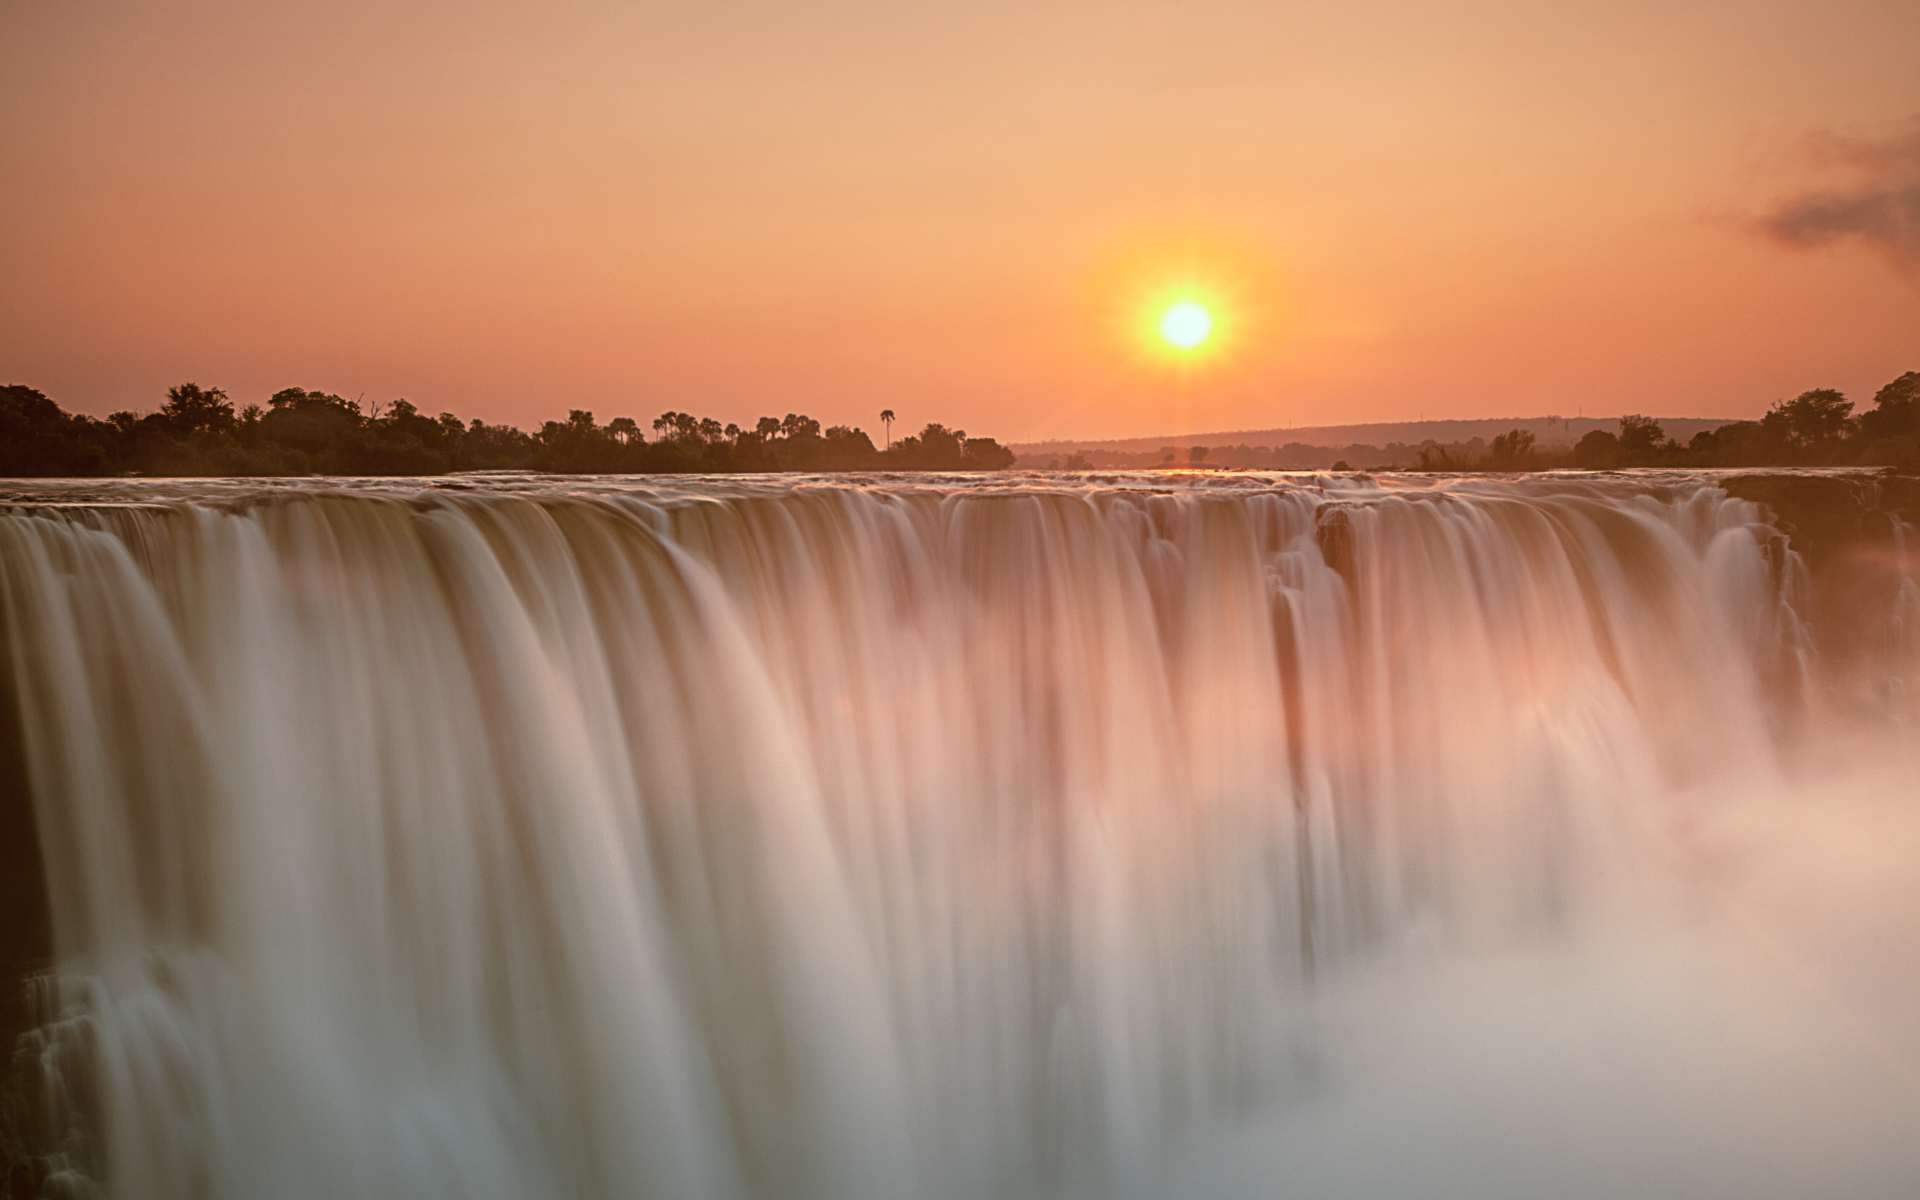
886,418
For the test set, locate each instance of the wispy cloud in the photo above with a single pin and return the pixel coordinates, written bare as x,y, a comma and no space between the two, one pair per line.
1872,197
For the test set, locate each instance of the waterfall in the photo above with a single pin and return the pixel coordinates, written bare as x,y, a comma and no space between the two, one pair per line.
515,836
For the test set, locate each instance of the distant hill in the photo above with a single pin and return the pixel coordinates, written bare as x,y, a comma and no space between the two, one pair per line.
1548,433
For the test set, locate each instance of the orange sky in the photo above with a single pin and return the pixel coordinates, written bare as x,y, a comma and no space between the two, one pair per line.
1463,209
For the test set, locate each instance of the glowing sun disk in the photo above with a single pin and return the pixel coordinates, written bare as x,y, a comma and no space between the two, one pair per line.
1185,325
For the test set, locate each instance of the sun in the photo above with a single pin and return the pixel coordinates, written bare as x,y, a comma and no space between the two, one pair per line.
1186,324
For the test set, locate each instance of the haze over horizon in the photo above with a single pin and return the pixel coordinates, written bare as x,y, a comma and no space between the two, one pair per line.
1475,212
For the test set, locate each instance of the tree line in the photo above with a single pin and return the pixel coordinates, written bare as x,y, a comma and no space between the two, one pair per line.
1818,427
200,431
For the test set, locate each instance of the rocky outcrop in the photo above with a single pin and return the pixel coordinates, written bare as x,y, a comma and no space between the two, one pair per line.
26,945
1832,514
26,940
1859,535
1333,530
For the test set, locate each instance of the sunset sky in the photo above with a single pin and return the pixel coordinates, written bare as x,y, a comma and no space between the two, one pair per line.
1464,209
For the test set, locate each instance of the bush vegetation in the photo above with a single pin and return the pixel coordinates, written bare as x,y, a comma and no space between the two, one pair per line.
1815,428
198,431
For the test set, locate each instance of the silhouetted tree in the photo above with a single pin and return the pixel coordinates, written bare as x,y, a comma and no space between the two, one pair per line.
938,448
986,454
312,432
1640,437
1813,418
676,426
886,418
1598,449
192,409
1896,409
1512,448
36,438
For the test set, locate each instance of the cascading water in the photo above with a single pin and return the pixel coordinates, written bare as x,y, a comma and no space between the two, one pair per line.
1018,836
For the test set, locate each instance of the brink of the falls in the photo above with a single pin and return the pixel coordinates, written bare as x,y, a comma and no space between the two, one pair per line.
1018,836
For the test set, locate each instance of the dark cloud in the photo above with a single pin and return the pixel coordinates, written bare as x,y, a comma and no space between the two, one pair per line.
1875,202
